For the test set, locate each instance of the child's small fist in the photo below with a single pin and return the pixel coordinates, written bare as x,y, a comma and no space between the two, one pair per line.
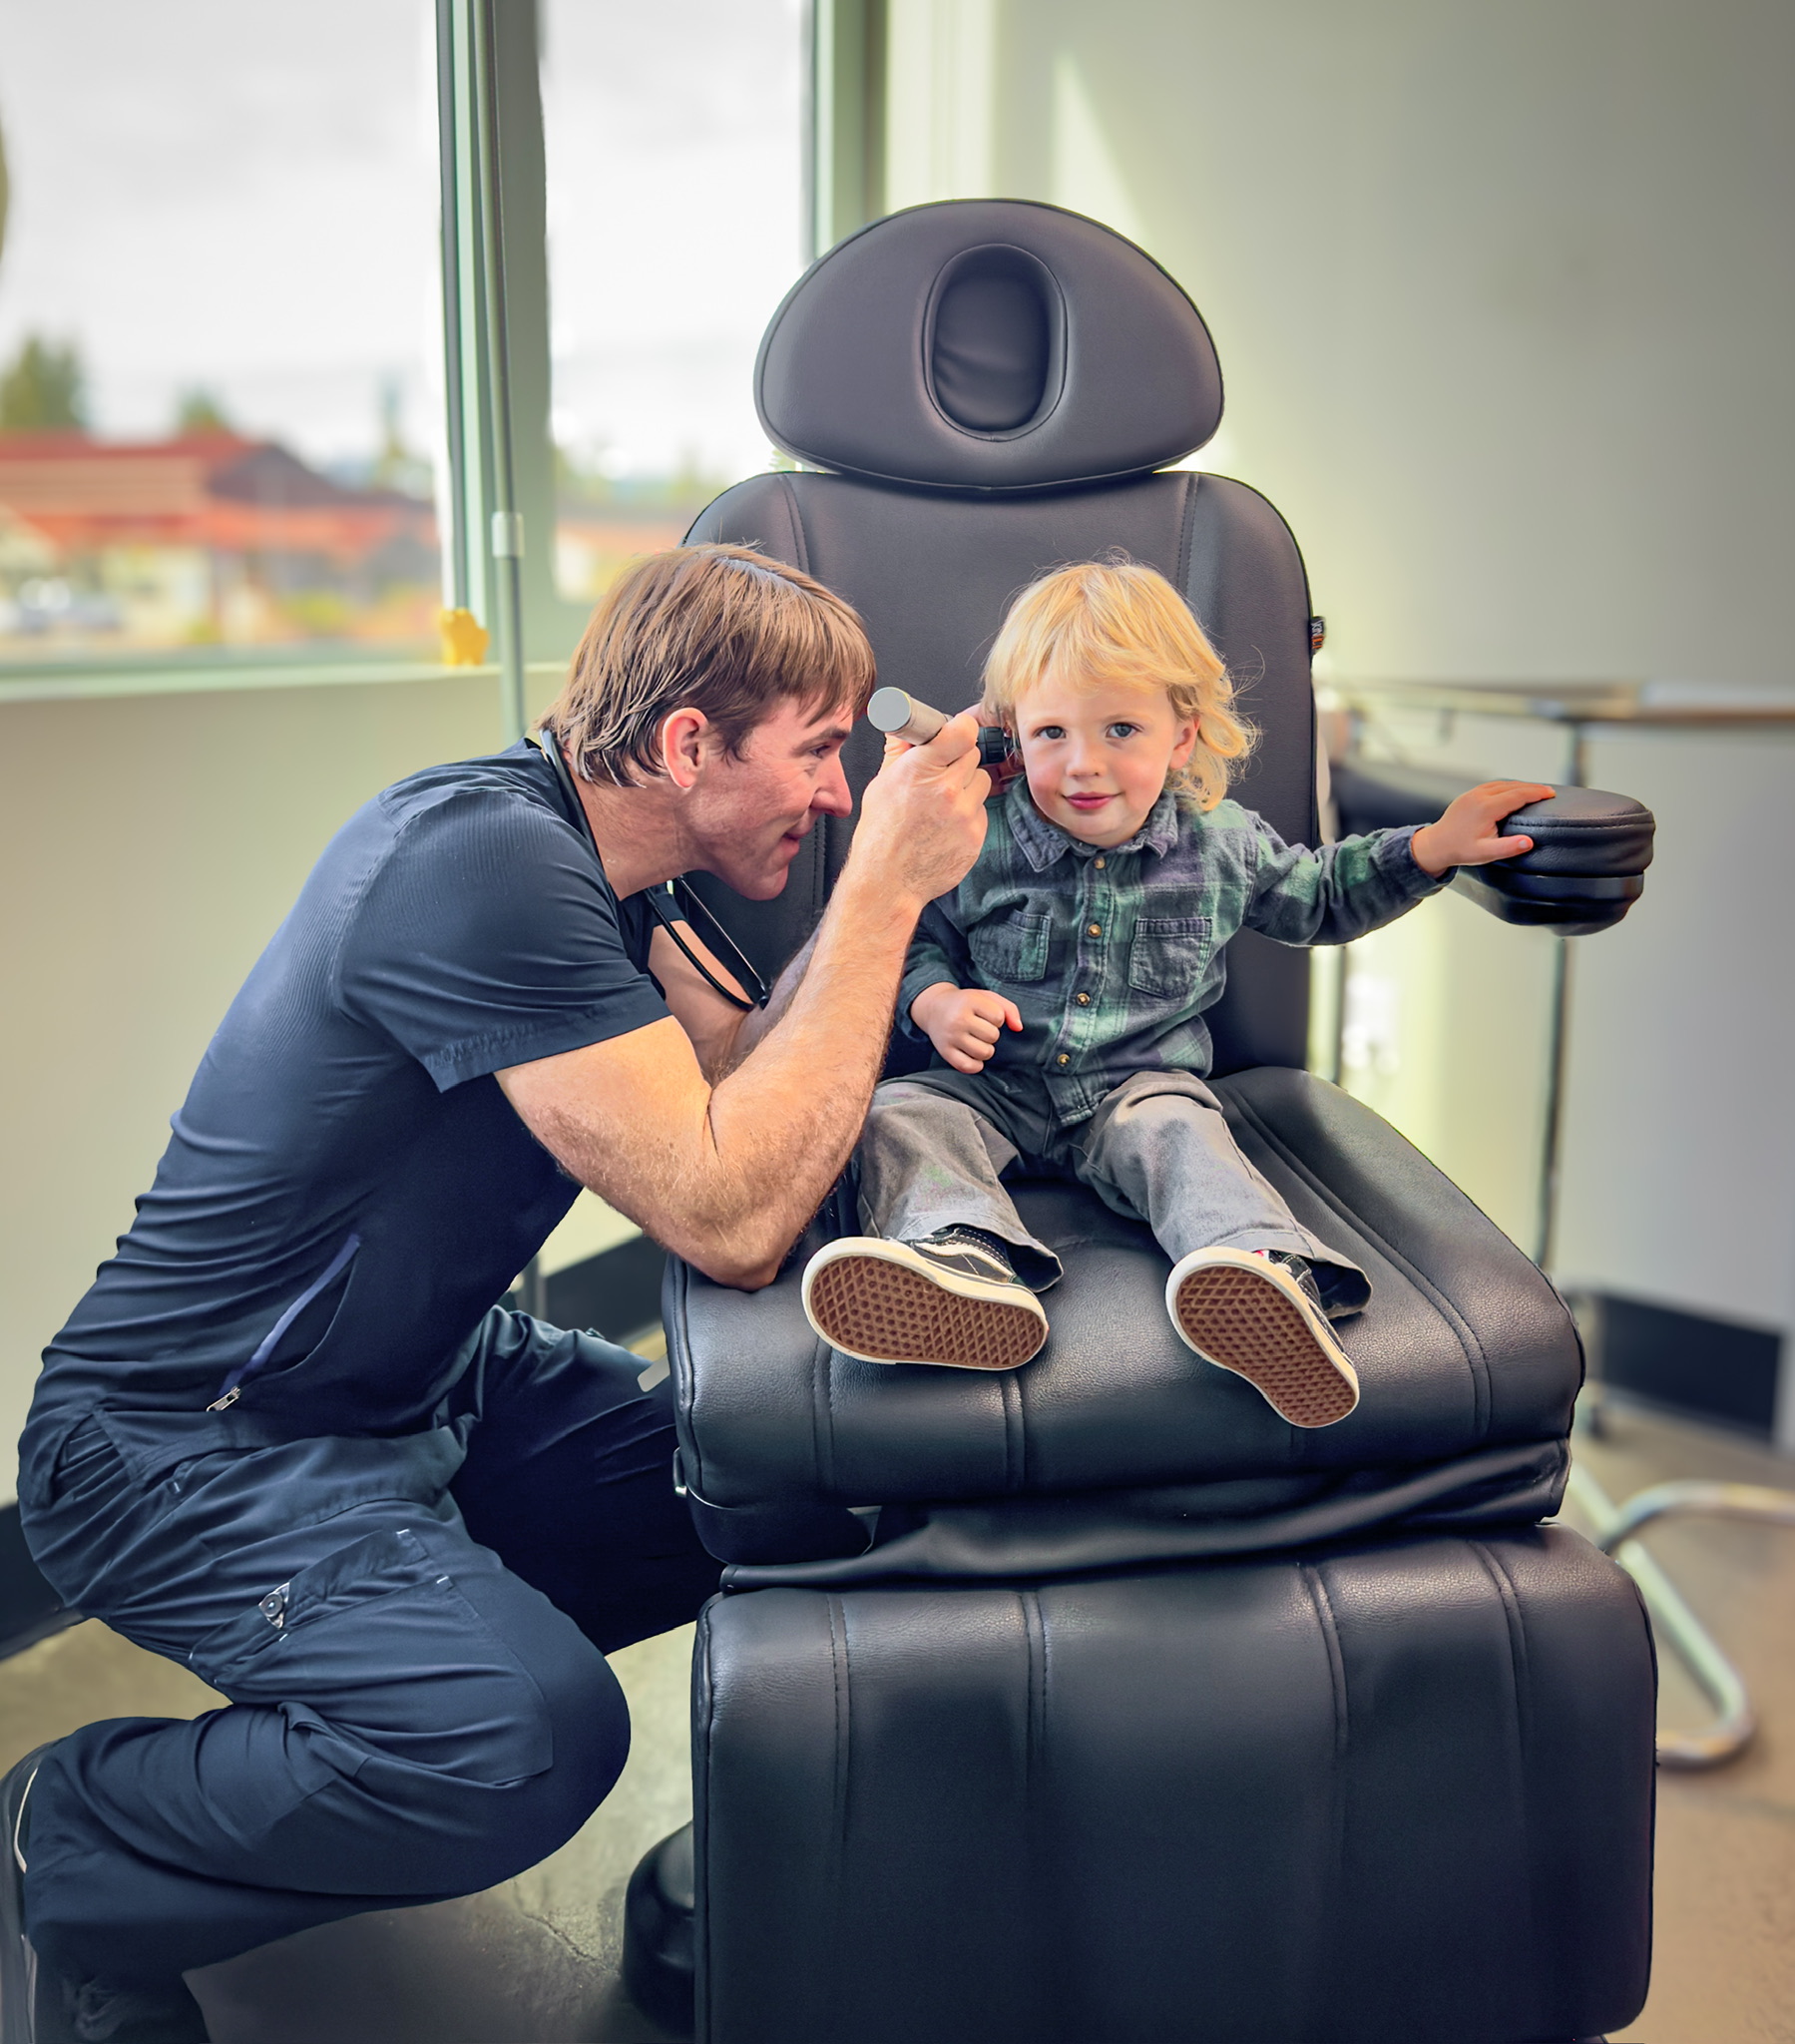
963,1023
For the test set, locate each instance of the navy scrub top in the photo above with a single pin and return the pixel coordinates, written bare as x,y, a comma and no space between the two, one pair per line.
347,1190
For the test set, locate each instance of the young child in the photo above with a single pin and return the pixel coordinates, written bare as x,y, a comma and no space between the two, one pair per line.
1063,985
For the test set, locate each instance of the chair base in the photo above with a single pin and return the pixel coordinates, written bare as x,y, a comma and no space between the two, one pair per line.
657,1934
1400,1791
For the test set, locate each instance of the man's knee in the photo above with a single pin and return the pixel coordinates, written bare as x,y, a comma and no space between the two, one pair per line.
469,1802
518,1823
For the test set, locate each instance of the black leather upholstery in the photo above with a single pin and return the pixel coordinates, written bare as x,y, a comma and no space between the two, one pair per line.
1463,1349
967,1768
1394,1792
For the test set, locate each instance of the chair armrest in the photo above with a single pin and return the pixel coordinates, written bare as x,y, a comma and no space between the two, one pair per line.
1587,867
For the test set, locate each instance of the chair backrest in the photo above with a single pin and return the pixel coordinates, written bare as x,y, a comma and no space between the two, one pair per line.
980,391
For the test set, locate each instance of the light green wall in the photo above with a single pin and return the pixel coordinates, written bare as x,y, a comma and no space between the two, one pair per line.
148,846
1501,294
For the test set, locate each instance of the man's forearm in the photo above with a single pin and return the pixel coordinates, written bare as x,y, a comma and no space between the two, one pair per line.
784,1122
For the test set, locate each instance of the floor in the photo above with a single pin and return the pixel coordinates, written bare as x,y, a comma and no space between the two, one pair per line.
1724,1969
535,1961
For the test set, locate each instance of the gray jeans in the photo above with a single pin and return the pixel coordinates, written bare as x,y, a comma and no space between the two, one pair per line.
1156,1150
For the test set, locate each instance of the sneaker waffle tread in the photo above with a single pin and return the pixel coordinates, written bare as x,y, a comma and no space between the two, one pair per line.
873,1307
1245,1323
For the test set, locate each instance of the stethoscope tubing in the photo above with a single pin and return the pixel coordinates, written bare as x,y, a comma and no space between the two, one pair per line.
679,894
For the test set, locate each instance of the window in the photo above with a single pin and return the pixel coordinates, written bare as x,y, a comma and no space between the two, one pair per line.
674,217
219,392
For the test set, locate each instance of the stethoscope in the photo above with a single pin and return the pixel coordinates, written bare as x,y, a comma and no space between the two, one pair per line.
670,895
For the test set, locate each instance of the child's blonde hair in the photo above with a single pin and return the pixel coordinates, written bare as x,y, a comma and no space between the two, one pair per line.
1117,621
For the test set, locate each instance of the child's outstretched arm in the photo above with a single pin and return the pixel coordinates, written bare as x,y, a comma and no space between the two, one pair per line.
963,1022
1466,834
1331,896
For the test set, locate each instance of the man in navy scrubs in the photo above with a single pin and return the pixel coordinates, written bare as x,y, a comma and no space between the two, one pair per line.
290,1438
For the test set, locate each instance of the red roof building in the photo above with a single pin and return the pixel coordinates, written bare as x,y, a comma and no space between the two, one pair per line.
213,490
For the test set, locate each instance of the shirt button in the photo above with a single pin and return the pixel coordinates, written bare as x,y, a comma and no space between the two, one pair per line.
1096,928
1063,1059
1084,1000
1100,865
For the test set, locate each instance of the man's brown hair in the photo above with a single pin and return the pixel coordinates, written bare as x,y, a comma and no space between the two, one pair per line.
719,629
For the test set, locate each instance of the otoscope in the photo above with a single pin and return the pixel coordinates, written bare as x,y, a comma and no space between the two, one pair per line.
900,716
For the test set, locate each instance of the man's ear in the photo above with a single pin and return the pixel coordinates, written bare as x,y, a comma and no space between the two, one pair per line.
683,746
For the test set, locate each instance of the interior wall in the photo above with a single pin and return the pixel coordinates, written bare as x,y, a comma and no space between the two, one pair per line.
1501,294
150,847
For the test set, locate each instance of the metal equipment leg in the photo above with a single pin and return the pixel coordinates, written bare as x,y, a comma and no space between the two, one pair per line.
1615,1528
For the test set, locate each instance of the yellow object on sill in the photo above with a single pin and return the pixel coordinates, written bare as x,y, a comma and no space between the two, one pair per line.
464,639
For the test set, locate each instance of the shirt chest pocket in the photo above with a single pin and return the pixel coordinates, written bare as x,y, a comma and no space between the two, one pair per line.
1168,954
1013,946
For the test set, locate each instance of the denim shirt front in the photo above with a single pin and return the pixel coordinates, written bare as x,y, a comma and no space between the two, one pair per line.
1113,956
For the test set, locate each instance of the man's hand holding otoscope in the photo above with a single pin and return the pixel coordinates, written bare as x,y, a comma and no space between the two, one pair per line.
901,716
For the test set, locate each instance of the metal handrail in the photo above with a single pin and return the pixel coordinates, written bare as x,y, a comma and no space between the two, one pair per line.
1676,1625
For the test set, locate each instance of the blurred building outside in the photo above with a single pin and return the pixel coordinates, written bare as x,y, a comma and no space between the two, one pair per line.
207,538
215,538
603,523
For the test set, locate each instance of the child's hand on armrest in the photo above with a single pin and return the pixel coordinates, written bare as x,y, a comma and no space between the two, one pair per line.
963,1022
1466,834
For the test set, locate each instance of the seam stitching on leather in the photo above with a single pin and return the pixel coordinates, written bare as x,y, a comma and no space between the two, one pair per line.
822,1414
1477,1363
1316,1586
1016,1439
1515,1621
1033,1754
702,1862
1314,1582
685,1381
841,1667
821,840
1187,535
799,538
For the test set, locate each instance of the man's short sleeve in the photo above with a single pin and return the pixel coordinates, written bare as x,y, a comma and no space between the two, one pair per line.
486,937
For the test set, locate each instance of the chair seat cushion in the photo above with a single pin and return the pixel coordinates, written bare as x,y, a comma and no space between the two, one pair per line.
1464,1350
1400,1791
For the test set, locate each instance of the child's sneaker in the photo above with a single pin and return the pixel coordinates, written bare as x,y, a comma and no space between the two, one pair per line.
952,1299
1261,1317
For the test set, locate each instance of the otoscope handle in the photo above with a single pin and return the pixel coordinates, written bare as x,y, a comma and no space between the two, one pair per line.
900,716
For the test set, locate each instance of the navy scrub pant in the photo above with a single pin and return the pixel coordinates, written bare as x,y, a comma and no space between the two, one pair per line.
411,1633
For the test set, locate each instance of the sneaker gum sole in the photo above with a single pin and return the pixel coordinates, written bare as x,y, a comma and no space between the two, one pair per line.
880,1309
1245,1323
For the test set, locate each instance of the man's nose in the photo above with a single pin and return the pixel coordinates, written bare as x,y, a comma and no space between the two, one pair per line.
831,795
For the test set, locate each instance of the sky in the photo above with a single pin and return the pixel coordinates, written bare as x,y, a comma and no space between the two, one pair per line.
240,194
674,222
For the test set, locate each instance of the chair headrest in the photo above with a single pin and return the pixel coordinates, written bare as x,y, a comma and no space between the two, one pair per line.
988,345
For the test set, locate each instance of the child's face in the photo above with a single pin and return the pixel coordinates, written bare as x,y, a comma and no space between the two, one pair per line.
1096,754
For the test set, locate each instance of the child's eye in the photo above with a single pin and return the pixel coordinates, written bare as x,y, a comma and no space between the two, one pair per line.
1121,730
1050,731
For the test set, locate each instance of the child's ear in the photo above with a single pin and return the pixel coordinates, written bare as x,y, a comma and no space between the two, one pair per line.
1189,730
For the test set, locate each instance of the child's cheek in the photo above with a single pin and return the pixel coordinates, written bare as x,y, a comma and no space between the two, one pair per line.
1043,782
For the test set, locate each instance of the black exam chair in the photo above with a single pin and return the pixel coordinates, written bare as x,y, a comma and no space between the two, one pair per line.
1092,1702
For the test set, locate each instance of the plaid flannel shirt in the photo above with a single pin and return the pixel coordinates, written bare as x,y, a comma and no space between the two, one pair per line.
1113,956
